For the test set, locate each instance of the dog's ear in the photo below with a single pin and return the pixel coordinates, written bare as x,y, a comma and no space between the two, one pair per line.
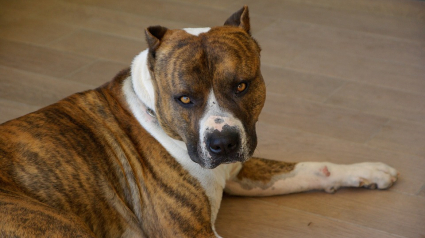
240,19
154,35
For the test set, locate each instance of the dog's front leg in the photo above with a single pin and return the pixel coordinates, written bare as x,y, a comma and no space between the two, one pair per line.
260,177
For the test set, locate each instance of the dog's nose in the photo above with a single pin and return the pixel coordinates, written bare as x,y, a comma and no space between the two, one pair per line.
225,142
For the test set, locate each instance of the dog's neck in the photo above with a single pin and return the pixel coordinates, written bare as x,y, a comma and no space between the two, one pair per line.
142,81
140,96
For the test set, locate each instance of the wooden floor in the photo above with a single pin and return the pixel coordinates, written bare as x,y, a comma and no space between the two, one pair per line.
346,83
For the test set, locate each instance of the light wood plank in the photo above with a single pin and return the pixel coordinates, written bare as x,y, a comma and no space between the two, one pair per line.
409,28
368,208
285,35
401,136
108,21
180,12
245,217
23,9
382,101
34,31
352,125
39,59
299,84
391,8
98,73
10,110
33,89
422,192
399,76
99,45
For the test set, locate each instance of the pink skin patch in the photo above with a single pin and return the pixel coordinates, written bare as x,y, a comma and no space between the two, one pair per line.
325,171
217,122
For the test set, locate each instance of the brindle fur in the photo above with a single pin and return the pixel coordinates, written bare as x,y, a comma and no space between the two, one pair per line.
218,60
263,170
82,168
86,155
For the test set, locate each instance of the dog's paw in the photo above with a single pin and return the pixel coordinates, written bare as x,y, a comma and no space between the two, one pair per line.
372,175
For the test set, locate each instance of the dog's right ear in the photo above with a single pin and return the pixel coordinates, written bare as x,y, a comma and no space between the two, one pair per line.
240,19
154,35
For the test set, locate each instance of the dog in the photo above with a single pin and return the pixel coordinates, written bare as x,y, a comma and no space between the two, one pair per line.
150,153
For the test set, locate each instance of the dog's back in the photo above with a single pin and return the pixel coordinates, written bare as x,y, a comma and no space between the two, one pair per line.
84,167
54,164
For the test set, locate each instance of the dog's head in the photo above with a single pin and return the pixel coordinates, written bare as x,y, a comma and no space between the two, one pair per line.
208,88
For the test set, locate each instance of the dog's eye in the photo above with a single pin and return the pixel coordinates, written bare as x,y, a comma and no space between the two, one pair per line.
241,87
185,99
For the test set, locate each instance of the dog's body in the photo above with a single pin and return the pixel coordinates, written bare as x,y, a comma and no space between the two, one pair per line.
150,153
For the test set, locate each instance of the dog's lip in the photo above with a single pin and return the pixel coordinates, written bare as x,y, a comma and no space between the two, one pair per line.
211,163
216,164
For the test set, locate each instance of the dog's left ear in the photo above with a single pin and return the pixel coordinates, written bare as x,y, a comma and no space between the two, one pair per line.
240,19
154,35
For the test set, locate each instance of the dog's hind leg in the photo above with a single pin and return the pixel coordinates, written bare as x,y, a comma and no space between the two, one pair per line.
260,177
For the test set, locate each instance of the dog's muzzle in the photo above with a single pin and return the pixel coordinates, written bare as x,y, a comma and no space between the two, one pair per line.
222,138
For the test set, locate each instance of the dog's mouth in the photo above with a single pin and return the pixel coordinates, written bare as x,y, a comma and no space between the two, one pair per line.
211,162
215,162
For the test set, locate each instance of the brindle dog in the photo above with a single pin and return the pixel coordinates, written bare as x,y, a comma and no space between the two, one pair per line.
150,153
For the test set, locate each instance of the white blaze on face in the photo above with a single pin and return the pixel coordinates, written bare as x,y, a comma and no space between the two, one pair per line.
196,31
215,118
